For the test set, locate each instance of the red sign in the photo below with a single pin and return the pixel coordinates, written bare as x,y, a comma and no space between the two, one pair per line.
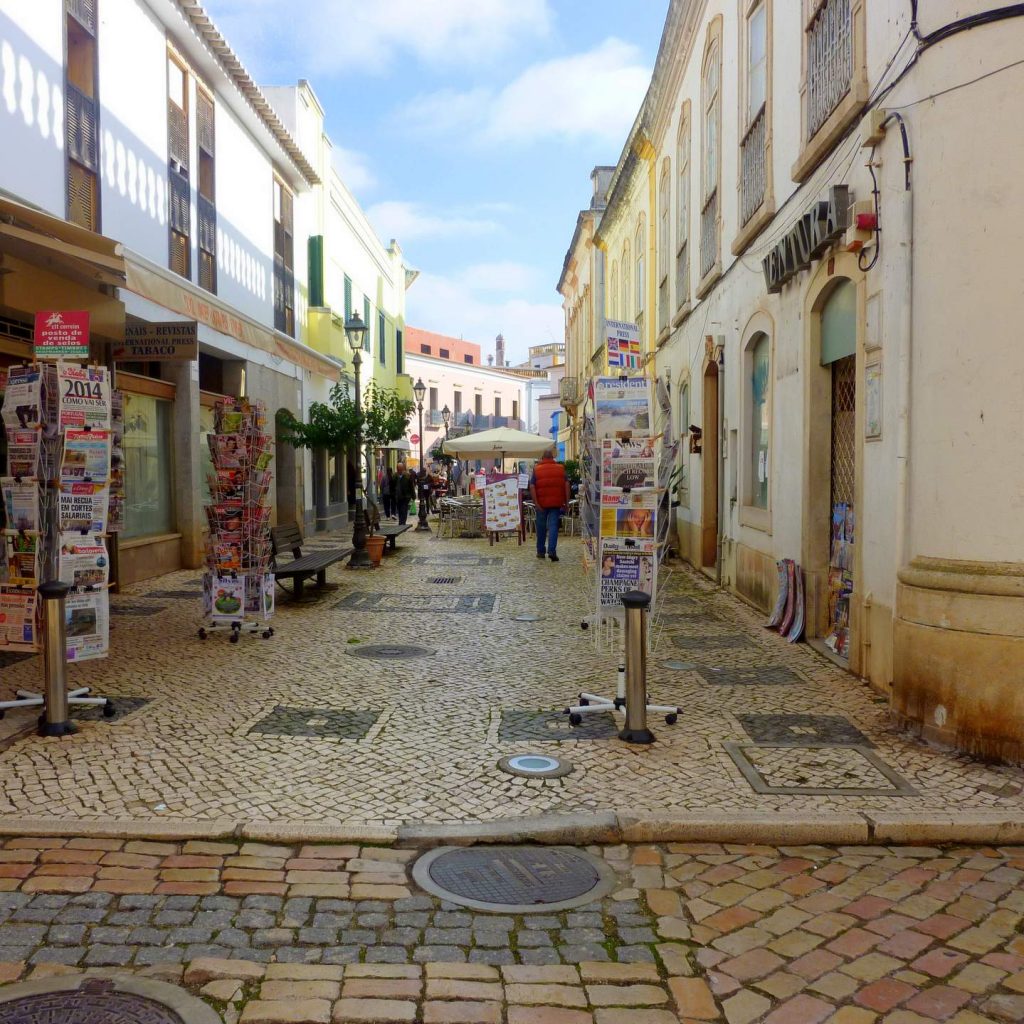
62,335
415,439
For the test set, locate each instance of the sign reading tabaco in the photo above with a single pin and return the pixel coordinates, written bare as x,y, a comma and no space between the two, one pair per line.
812,235
153,342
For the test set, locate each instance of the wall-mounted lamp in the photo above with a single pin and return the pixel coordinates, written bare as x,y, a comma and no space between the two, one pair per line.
695,439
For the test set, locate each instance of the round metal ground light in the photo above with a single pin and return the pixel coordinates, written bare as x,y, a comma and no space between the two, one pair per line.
391,652
514,879
535,766
122,1000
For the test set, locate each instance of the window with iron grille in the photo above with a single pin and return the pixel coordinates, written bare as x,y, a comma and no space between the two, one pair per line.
683,211
711,94
753,163
284,259
81,116
206,199
348,297
640,282
829,59
179,189
367,339
381,337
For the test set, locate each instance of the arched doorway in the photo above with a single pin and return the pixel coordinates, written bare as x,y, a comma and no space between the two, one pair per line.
710,450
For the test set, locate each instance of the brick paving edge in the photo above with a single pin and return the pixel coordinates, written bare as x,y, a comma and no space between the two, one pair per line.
882,827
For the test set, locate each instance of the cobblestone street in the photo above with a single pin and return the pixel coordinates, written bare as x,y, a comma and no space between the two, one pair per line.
688,932
302,729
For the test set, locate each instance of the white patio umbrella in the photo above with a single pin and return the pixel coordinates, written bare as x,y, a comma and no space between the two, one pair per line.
499,441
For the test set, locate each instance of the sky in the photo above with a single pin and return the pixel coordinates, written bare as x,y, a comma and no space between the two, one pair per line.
467,129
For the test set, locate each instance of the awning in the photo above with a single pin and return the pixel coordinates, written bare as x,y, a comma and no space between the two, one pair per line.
401,445
174,293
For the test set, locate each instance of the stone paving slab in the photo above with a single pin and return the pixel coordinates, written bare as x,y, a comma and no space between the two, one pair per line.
195,757
689,932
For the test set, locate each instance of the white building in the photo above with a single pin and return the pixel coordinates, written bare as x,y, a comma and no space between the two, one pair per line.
828,366
133,121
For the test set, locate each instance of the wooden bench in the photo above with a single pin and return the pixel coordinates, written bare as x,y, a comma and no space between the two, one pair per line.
392,531
302,567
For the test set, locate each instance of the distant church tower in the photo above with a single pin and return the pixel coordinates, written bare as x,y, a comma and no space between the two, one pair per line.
499,350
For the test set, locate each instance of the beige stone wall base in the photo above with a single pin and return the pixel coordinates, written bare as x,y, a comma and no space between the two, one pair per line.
756,577
146,557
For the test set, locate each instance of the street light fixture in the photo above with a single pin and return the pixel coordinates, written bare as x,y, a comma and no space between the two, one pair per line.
446,417
419,389
355,330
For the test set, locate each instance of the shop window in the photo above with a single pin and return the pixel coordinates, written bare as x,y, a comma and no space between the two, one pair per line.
284,259
81,116
759,426
149,498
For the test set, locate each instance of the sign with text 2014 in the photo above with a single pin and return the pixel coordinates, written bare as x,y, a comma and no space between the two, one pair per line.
62,335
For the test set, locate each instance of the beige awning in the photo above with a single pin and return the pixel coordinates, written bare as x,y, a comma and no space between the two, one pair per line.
172,292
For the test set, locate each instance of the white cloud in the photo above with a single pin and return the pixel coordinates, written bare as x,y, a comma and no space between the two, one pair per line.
339,37
587,95
499,277
354,169
450,305
407,221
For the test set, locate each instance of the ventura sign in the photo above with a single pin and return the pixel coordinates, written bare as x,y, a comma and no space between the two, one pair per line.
149,342
822,225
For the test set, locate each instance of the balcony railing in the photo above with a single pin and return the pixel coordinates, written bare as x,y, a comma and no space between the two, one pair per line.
754,174
829,61
481,422
709,234
82,128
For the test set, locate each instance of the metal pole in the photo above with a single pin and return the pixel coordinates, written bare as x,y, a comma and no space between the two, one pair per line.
55,719
360,556
422,525
636,731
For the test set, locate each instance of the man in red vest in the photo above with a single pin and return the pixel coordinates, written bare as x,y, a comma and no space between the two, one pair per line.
549,492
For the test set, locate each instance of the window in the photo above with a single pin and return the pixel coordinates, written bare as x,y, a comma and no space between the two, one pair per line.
759,426
683,485
828,59
382,330
81,117
478,405
367,339
664,243
457,399
711,152
433,399
626,263
425,350
497,406
284,259
445,354
753,162
149,499
467,359
683,209
348,297
179,190
205,201
640,280
613,292
515,409
399,353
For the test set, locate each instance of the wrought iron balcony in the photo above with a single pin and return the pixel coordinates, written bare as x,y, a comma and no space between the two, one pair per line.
829,61
754,172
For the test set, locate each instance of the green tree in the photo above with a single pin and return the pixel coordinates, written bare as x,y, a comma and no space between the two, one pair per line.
385,416
331,426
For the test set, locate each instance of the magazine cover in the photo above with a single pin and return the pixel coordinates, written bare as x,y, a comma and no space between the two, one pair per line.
635,522
83,561
23,552
628,462
84,397
624,569
87,619
228,597
21,503
622,407
23,398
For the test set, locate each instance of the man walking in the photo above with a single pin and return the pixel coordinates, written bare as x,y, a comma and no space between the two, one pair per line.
404,490
549,492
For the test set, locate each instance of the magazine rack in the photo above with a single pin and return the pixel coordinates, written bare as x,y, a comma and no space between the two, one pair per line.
238,584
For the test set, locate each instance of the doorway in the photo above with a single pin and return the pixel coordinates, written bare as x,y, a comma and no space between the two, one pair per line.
710,448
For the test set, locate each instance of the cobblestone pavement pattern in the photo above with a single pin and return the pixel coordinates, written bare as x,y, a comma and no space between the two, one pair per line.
292,728
689,932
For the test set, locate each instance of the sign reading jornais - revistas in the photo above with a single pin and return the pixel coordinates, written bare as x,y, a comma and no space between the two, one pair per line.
62,335
154,342
623,345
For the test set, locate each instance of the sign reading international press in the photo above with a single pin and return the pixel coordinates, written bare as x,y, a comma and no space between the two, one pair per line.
62,335
147,342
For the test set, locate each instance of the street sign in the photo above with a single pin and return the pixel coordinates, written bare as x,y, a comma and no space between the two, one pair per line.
415,439
158,342
62,335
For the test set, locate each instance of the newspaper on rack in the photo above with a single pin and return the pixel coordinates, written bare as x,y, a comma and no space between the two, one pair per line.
622,407
626,566
18,625
83,397
83,561
23,558
116,500
21,503
87,619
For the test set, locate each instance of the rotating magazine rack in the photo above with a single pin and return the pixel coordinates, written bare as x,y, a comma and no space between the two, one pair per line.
62,495
238,584
624,499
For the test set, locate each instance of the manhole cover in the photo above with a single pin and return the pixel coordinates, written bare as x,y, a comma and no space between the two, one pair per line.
535,766
101,1001
514,879
390,652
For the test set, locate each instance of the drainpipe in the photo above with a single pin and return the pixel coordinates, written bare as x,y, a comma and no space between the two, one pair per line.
723,442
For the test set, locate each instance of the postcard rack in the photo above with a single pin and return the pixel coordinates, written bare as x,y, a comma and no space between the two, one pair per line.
238,583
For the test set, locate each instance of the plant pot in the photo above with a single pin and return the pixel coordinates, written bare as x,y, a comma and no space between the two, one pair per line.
375,547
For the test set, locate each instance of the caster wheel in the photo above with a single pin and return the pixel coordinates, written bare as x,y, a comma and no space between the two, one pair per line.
671,719
234,638
203,634
619,703
271,630
2,713
584,703
109,711
575,719
266,634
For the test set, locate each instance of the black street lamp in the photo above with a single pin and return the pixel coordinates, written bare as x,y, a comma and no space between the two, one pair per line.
355,330
419,389
446,417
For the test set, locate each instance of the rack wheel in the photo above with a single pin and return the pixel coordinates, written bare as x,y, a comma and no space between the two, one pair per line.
267,634
575,719
234,637
2,712
109,711
584,625
671,719
203,634
270,630
584,703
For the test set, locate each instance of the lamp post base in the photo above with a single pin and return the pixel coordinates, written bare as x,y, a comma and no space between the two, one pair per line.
360,558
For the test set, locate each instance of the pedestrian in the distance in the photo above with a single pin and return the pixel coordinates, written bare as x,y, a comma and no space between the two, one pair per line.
403,493
549,492
387,487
